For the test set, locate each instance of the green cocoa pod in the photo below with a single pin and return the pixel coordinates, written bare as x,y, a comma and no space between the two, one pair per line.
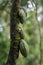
21,34
24,48
22,16
20,30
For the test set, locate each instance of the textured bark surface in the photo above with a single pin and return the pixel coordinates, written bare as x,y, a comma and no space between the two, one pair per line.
14,34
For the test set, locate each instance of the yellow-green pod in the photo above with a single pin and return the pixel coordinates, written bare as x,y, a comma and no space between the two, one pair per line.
24,48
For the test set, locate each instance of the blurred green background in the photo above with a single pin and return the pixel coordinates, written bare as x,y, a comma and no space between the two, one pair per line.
33,31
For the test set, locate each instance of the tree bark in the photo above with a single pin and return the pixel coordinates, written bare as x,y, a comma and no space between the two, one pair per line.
14,34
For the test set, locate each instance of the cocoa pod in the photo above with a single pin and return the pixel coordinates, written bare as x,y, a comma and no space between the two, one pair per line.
21,34
22,16
24,48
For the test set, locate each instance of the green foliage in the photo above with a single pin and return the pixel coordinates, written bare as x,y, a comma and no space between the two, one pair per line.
24,2
3,4
4,44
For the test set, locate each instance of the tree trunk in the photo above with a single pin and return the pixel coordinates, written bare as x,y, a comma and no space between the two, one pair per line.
14,34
